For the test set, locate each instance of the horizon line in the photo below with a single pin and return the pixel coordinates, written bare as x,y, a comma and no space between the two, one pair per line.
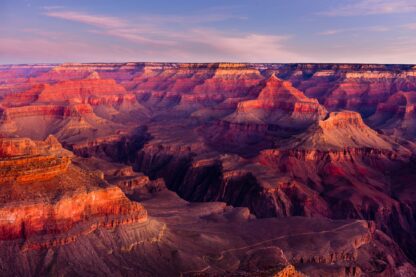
215,62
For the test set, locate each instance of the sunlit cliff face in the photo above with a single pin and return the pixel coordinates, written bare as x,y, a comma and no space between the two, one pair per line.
43,193
297,167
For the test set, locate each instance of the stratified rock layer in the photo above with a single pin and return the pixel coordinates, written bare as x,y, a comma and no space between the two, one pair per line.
341,130
23,160
46,201
279,103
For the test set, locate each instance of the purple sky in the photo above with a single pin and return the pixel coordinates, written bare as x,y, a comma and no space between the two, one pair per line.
357,31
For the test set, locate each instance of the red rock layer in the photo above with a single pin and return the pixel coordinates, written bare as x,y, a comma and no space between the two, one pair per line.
33,168
100,207
43,195
23,160
176,79
341,130
23,98
80,91
279,103
16,78
59,111
230,80
71,109
15,147
92,90
74,71
189,87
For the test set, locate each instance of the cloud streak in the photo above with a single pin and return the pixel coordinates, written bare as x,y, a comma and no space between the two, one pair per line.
86,18
373,7
377,29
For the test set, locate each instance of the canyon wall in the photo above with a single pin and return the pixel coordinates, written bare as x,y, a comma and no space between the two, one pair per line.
318,141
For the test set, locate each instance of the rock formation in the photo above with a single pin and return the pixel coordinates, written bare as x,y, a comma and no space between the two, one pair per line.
279,103
396,115
341,130
47,201
23,160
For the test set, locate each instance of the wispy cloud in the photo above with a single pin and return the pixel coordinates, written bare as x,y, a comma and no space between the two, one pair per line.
373,7
377,29
213,15
191,19
86,18
248,47
49,8
188,40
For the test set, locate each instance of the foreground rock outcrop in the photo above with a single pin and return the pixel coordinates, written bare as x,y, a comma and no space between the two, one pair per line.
24,160
74,222
47,201
212,239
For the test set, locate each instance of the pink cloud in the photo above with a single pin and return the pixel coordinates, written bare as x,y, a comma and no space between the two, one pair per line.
86,18
358,29
250,47
410,26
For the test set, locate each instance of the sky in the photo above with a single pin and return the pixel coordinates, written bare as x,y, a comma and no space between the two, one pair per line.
275,31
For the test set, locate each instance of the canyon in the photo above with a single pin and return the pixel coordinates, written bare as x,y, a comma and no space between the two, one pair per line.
222,169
